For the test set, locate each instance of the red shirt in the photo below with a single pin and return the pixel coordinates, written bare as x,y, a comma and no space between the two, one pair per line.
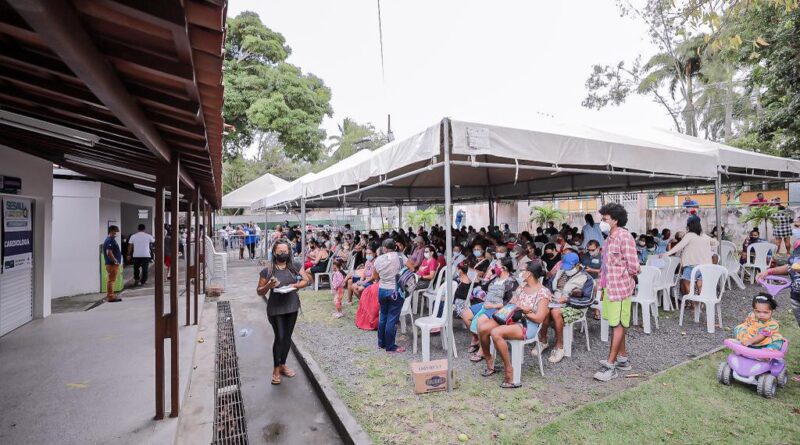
427,266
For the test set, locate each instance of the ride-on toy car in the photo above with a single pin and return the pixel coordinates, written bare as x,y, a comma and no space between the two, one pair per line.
764,368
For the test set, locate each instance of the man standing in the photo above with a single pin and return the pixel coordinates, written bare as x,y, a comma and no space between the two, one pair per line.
689,203
139,249
112,256
460,218
759,200
619,268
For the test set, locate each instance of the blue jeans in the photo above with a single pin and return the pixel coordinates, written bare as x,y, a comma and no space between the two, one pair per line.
391,305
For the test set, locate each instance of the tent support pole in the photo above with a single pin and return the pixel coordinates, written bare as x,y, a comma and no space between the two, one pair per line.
718,210
303,225
491,211
448,252
399,215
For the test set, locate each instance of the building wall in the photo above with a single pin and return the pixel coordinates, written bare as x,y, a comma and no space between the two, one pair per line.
707,199
83,210
37,183
76,216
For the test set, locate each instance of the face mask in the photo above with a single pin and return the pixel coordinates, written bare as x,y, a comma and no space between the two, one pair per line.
282,257
642,243
571,272
592,252
370,257
428,255
499,255
477,253
605,227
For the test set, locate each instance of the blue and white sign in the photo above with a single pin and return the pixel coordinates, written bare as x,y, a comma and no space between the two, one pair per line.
17,234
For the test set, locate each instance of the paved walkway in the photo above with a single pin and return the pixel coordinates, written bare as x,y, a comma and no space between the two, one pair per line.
289,413
87,377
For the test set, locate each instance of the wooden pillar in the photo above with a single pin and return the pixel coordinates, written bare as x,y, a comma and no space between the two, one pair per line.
160,336
189,257
172,316
199,241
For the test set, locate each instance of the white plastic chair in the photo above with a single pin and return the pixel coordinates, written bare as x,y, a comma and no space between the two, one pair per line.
216,264
430,293
714,277
669,282
407,312
647,297
516,349
569,328
426,324
757,255
327,273
599,306
417,292
730,260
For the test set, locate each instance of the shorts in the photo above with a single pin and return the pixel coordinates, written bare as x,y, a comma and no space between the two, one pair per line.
459,306
686,274
167,261
530,329
617,312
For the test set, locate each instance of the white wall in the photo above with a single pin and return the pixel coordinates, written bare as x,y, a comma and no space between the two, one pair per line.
75,240
37,183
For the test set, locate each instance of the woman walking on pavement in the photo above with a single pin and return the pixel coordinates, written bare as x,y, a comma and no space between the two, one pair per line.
282,308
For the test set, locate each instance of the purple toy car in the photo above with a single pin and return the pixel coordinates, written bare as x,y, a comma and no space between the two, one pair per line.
764,368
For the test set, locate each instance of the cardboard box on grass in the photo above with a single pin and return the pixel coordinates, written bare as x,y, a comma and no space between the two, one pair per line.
429,376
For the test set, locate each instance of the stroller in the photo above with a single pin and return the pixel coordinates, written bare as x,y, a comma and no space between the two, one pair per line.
764,368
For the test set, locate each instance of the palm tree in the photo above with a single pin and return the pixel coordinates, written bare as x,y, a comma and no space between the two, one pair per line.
542,214
759,214
679,68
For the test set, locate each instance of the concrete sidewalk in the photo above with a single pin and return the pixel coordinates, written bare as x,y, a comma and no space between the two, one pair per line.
289,413
88,377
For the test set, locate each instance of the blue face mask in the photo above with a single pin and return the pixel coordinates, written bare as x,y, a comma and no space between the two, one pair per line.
370,257
477,253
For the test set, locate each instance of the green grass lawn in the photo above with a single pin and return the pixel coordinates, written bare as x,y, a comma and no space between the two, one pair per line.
684,405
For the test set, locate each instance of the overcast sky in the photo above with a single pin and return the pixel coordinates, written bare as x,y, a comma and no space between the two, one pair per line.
496,62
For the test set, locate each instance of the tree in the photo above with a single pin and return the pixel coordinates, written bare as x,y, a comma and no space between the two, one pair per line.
425,218
541,215
265,94
352,137
759,214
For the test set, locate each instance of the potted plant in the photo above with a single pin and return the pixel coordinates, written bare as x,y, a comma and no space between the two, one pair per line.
542,214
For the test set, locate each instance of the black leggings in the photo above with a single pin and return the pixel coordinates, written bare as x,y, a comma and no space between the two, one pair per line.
282,326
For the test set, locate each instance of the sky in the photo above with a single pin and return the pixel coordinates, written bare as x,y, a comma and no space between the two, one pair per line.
497,62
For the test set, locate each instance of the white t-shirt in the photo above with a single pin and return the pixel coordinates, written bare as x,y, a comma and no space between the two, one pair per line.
141,244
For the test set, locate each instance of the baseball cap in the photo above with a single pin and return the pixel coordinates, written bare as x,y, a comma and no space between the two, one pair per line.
569,260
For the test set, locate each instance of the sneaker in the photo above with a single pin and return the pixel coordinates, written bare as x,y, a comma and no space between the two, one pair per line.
606,373
622,365
338,315
535,351
556,355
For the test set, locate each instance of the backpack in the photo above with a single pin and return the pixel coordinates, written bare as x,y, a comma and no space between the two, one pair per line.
586,298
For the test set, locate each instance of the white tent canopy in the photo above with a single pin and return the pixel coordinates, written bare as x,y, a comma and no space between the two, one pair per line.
458,161
246,194
547,159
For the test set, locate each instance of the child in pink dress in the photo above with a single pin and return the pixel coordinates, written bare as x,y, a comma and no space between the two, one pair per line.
338,280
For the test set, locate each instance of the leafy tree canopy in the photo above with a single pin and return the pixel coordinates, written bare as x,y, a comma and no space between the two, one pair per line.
265,94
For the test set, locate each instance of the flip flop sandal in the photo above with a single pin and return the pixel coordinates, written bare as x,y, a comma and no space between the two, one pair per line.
475,357
276,381
289,373
473,348
487,372
506,385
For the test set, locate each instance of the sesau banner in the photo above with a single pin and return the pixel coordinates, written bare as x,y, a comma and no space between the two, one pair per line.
17,234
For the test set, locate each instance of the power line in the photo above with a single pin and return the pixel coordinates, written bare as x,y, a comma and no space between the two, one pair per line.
380,34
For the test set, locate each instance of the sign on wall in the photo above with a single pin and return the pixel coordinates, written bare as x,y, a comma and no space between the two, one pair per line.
17,234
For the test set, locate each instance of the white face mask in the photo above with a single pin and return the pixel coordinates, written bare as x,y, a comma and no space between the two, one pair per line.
605,227
428,255
499,255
